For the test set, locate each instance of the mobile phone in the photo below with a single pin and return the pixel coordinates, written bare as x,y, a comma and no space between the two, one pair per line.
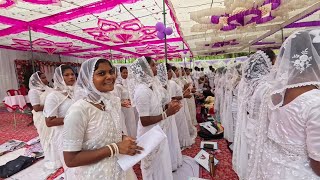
208,146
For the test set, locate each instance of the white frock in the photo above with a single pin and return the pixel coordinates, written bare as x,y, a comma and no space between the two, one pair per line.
87,128
293,138
181,119
130,118
57,105
157,165
192,104
38,98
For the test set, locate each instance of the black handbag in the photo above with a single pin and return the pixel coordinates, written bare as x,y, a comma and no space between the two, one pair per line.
16,165
206,135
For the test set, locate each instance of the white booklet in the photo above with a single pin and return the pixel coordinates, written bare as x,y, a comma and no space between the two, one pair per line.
203,159
149,141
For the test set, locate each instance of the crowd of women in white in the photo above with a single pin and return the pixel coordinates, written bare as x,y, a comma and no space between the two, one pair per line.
269,107
85,122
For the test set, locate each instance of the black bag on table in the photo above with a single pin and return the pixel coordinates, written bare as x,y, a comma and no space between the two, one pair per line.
16,165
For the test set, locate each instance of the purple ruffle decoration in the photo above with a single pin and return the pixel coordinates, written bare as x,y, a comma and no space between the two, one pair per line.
265,19
247,17
239,19
215,19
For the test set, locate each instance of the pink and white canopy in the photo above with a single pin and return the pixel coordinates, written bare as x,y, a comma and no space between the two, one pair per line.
114,29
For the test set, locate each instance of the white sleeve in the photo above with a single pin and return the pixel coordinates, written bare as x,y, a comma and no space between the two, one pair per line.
51,105
178,90
74,128
143,101
313,133
34,97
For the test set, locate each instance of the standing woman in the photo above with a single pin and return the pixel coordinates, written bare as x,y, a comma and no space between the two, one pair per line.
127,109
191,101
39,90
171,93
186,94
55,108
290,132
180,117
92,134
146,95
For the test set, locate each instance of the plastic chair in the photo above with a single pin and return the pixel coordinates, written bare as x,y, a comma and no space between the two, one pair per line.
12,92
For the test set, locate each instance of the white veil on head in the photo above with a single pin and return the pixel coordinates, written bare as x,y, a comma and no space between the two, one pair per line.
162,74
297,65
36,83
59,84
85,89
139,72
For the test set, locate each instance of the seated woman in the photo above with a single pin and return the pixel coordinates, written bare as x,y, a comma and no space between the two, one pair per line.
92,135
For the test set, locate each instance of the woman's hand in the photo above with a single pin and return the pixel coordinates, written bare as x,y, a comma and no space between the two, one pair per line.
173,107
126,103
128,146
187,94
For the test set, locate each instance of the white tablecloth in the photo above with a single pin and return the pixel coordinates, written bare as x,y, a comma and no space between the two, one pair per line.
17,102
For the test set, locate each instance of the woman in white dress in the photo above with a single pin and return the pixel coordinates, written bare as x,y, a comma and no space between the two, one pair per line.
92,134
146,94
289,135
180,117
191,101
256,68
130,118
171,92
55,108
39,90
177,77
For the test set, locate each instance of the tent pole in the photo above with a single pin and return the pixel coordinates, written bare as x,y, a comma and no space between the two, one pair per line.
282,37
32,60
165,36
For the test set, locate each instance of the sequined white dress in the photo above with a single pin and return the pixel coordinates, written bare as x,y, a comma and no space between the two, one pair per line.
87,128
293,138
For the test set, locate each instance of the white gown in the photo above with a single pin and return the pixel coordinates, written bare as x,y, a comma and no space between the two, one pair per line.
88,128
293,138
37,97
130,118
173,138
57,104
180,119
157,165
192,104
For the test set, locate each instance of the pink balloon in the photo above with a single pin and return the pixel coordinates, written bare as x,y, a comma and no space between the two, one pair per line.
168,31
160,27
160,35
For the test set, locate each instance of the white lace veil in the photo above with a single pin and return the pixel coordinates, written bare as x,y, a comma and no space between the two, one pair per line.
162,74
36,83
297,65
85,89
59,84
140,72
